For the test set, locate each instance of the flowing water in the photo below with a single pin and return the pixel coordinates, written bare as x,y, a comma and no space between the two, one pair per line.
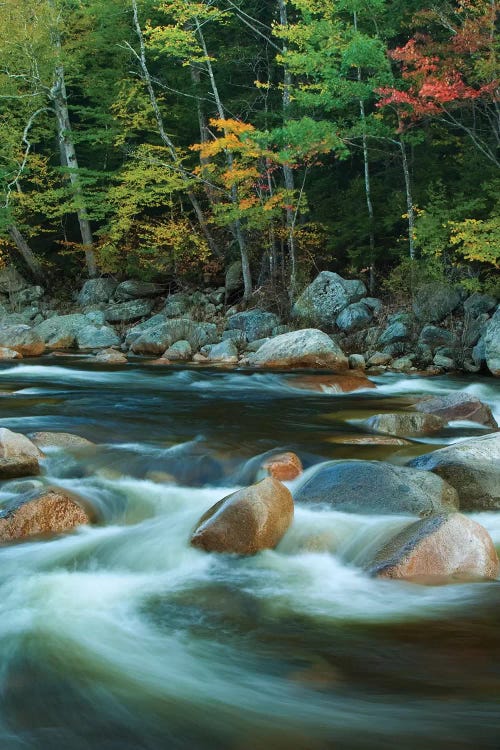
123,637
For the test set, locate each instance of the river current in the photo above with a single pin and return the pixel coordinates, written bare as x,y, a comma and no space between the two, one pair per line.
121,636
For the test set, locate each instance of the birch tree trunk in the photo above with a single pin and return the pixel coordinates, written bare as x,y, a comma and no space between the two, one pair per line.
59,98
287,170
410,208
167,141
368,191
237,229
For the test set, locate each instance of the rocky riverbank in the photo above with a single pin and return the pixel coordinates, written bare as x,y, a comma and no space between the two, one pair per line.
334,325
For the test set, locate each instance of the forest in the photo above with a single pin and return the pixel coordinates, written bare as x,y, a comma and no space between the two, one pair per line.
166,140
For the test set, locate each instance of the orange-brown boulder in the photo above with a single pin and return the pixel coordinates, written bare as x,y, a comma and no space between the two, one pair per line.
439,549
283,466
54,511
18,455
247,521
352,381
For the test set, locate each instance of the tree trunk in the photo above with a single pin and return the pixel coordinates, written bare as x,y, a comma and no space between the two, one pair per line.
164,135
287,170
59,98
409,200
368,191
26,253
237,229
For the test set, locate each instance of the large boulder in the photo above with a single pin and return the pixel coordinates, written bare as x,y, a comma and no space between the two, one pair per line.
326,297
96,337
27,295
306,348
247,521
95,291
157,339
53,511
492,344
59,332
22,339
132,289
125,312
458,405
225,352
255,324
472,467
395,332
404,424
355,486
478,304
139,328
19,457
434,336
353,317
179,352
177,305
434,301
443,548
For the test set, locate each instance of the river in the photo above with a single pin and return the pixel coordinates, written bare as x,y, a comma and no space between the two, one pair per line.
123,637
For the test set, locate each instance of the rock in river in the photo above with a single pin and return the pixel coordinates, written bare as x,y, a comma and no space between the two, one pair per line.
404,424
305,348
442,548
354,486
247,521
18,455
472,467
459,405
53,511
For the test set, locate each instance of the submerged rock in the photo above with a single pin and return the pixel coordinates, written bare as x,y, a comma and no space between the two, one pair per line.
19,457
306,348
404,424
472,467
354,486
283,466
440,549
60,440
53,511
459,405
247,521
351,381
111,357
